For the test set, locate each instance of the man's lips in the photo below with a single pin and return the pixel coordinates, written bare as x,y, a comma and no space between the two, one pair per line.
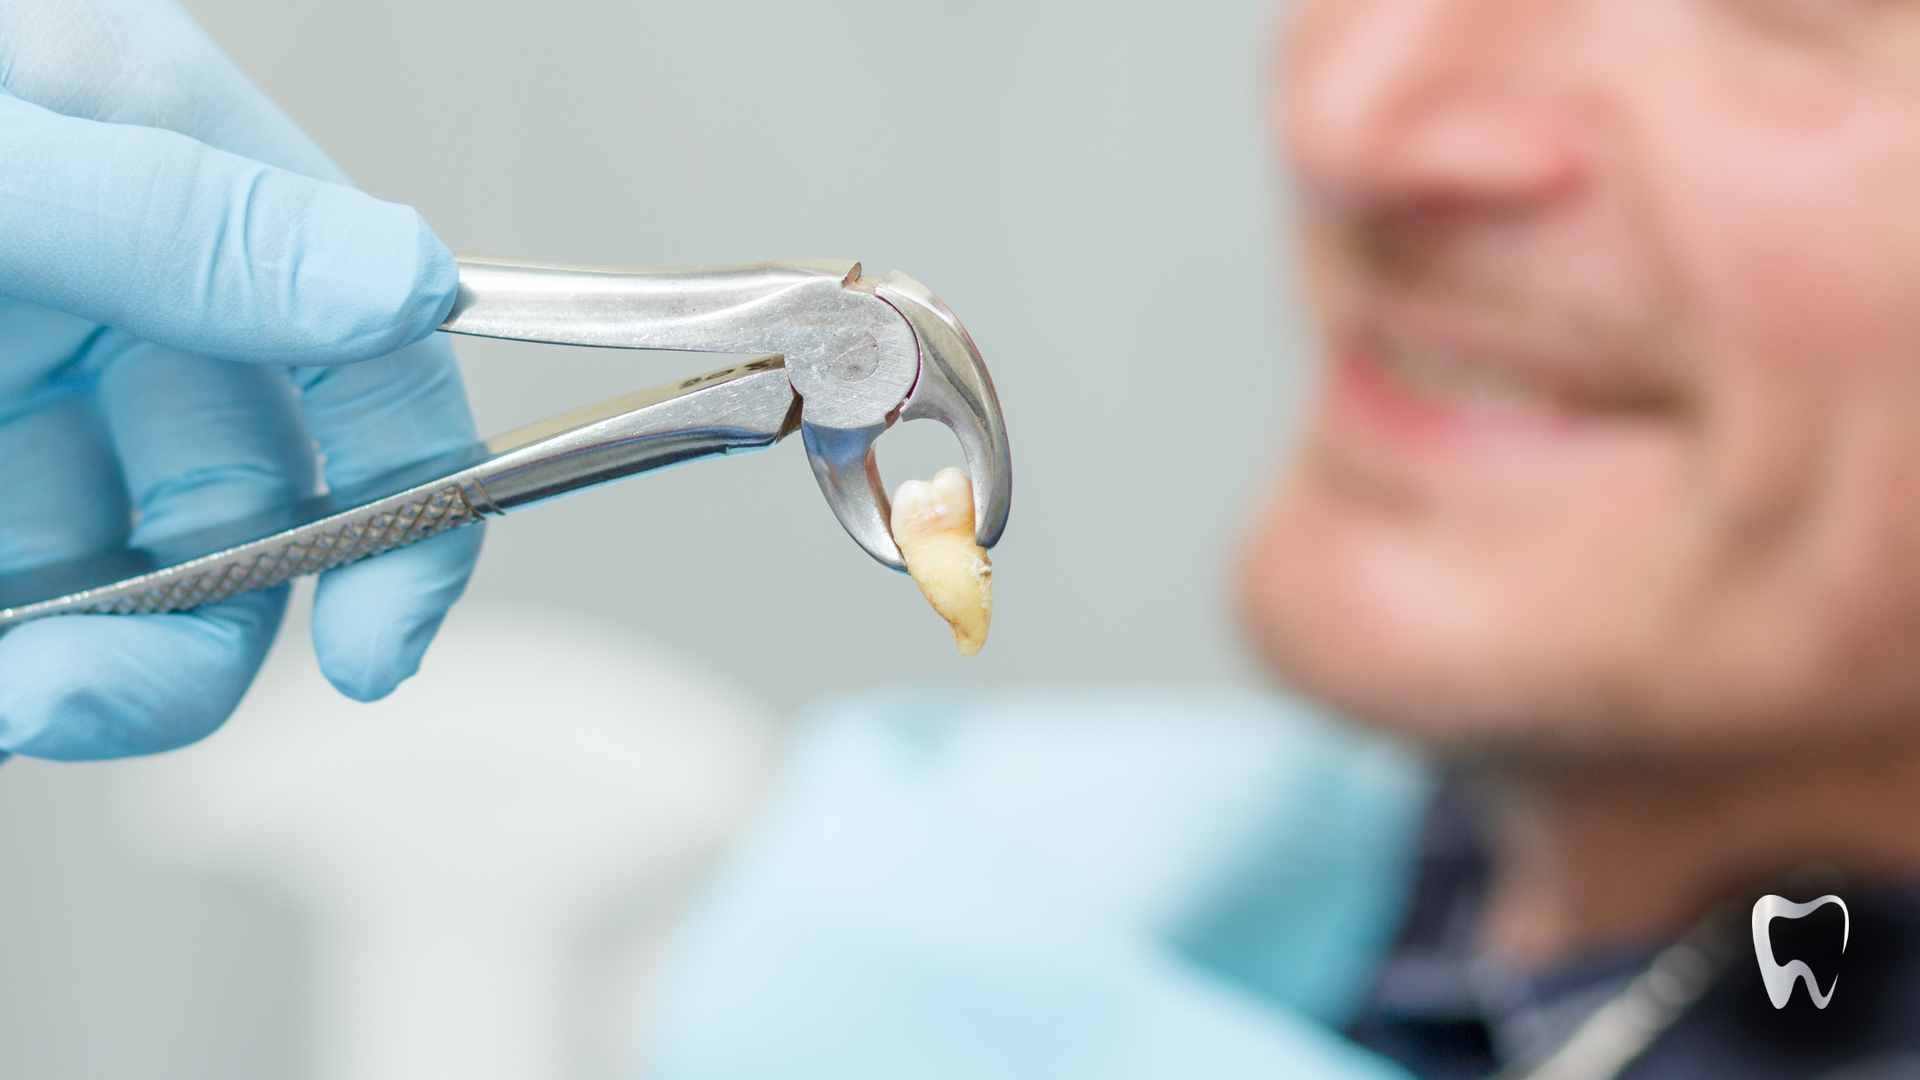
1414,404
1431,387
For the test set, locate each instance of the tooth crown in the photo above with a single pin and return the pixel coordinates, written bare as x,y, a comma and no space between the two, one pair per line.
924,507
933,525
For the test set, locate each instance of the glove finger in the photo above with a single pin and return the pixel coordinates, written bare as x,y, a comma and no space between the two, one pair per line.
57,476
102,686
59,482
199,441
146,62
208,252
85,687
372,621
372,418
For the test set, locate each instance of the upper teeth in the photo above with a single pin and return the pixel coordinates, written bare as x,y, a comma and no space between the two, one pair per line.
1438,373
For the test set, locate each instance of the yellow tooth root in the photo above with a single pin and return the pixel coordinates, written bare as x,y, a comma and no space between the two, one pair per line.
933,525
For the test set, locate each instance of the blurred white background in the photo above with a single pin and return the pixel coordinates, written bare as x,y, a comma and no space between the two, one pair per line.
1088,185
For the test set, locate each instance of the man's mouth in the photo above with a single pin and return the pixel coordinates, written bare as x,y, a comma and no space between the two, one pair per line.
1445,377
1410,383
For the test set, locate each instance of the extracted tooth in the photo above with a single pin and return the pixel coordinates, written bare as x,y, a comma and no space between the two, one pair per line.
933,524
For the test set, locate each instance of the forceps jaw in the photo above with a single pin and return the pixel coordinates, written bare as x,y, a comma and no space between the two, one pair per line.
954,388
849,477
951,386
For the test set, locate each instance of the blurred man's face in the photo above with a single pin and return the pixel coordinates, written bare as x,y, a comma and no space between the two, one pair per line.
1619,448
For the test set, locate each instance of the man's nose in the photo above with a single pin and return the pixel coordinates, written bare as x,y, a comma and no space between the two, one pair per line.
1431,102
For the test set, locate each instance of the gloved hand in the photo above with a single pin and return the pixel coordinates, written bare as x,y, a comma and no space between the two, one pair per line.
191,302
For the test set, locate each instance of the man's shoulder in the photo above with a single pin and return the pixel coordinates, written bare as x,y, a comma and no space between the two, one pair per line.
1098,871
1117,793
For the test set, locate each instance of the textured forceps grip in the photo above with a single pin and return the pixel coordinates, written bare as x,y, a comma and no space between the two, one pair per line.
749,406
261,564
330,542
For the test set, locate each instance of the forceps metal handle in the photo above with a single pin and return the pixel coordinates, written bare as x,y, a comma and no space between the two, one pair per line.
848,353
747,407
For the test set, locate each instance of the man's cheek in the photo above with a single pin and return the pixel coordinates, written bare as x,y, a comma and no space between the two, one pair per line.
1794,233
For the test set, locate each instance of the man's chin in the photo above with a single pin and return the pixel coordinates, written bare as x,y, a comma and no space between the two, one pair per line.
1314,608
1526,692
1461,655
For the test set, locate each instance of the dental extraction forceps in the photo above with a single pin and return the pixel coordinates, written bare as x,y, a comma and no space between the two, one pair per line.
845,357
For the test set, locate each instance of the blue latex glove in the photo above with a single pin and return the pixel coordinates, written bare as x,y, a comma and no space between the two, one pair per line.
191,301
1122,886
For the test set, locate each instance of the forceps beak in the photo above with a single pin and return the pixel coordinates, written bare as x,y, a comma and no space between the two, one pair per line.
952,386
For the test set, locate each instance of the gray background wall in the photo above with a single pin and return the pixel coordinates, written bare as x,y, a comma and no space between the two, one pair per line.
1088,184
